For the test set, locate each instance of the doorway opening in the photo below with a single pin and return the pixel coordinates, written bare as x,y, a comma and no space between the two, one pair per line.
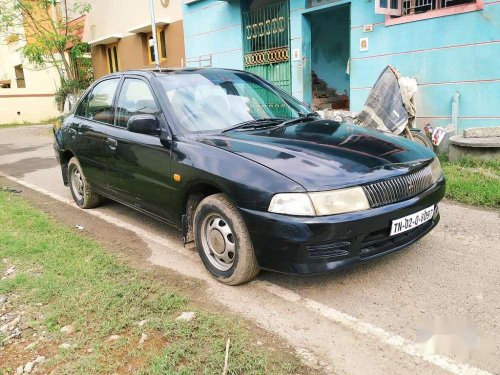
330,54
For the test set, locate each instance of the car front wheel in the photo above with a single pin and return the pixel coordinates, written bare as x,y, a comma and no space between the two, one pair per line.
82,192
223,241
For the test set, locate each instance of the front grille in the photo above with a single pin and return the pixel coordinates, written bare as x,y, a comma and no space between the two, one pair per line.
328,249
399,188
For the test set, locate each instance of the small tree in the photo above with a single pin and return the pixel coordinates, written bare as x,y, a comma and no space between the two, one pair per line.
47,38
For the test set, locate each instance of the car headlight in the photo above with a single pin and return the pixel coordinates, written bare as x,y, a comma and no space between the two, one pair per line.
320,203
339,201
292,204
436,171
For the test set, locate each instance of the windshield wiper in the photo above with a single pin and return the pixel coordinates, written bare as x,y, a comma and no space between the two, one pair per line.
254,124
298,120
264,122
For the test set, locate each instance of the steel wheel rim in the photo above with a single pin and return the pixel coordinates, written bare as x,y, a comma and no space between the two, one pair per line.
218,242
77,184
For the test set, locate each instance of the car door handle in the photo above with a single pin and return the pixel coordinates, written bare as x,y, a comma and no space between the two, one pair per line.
112,143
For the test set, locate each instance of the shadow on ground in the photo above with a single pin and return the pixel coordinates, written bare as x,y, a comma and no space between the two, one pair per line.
24,166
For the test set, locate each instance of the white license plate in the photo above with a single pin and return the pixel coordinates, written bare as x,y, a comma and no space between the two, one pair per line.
411,221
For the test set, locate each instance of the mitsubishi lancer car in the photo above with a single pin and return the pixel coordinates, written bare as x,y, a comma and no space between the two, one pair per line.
246,171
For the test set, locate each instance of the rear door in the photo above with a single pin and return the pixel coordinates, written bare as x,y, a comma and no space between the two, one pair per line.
92,117
139,171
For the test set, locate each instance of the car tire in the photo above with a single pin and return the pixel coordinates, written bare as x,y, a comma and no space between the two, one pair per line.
422,139
220,231
82,192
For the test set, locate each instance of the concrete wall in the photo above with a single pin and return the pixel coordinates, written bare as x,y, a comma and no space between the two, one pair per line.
445,54
213,27
33,108
453,53
330,39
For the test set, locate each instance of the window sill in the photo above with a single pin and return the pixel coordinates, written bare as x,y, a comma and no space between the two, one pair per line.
457,9
153,63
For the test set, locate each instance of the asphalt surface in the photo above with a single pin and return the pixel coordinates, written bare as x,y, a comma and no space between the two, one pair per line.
376,318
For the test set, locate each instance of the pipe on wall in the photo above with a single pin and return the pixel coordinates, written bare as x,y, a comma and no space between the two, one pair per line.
455,107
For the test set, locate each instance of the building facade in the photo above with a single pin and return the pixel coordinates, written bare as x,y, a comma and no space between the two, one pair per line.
120,35
330,52
26,92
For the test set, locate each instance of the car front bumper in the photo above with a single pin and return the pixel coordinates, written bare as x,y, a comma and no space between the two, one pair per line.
301,245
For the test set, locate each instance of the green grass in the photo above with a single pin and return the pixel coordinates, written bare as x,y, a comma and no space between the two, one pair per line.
473,182
63,278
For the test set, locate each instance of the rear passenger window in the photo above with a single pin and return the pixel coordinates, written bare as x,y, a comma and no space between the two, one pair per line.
135,99
100,101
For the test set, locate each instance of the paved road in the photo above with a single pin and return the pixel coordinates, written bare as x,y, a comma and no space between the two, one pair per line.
372,319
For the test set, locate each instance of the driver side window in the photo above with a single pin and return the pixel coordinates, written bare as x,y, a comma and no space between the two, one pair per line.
135,99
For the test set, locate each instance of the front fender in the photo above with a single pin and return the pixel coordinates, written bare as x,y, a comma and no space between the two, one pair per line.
247,183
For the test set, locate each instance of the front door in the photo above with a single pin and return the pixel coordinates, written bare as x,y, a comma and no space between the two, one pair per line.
266,44
139,169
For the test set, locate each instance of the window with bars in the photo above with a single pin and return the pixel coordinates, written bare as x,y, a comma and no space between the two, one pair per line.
421,6
112,57
397,8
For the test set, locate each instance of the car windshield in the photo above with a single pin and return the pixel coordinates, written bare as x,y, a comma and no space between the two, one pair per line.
207,101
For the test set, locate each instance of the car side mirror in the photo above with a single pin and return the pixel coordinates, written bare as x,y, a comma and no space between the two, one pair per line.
143,124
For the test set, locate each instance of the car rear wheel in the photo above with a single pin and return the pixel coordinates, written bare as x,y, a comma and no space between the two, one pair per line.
223,241
82,192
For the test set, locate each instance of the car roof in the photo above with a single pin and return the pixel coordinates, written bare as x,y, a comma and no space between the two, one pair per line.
167,71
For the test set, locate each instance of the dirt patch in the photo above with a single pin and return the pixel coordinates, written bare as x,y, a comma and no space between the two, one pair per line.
126,245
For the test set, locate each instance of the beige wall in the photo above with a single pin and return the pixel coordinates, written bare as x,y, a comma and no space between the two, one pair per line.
133,47
35,102
108,17
33,109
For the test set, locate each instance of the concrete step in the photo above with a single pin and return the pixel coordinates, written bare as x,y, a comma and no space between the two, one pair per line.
325,93
323,100
484,148
493,131
320,86
323,106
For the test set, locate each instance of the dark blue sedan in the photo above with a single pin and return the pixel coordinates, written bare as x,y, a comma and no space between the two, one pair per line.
249,173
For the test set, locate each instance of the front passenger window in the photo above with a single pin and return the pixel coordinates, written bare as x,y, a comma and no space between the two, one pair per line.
135,99
100,102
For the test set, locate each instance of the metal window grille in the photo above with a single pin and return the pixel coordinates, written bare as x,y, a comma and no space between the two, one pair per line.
204,61
421,6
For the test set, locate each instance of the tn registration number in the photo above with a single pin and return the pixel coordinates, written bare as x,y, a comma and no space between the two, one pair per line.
411,221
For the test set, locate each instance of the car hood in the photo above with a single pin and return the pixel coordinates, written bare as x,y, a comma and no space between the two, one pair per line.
324,154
